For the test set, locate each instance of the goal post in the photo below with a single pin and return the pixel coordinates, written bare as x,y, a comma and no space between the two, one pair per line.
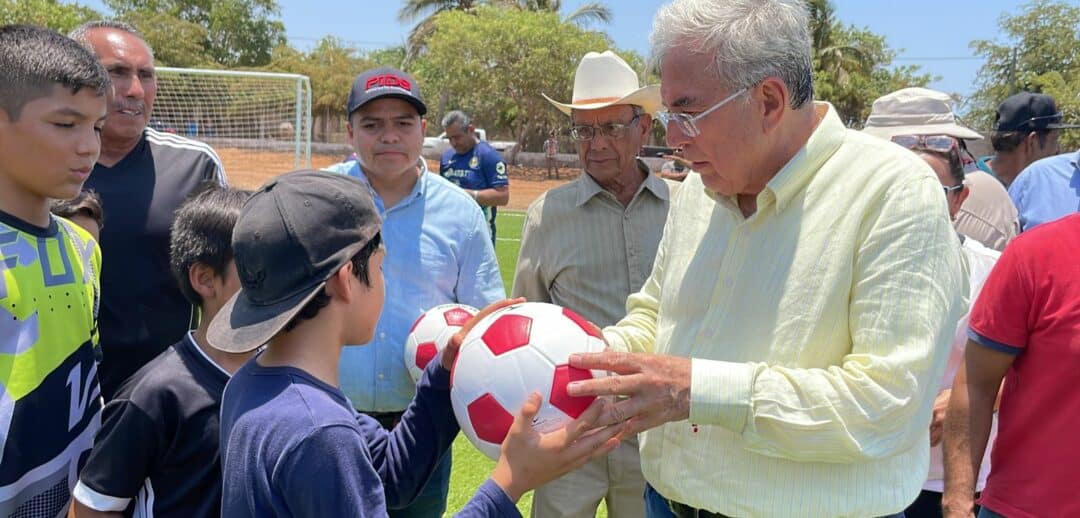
259,123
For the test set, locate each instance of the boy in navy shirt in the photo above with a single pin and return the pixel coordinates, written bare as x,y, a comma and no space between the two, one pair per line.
307,249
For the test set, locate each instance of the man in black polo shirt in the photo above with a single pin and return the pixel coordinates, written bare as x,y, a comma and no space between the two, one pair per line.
142,176
157,452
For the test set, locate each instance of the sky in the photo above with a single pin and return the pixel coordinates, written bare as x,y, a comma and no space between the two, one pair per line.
933,34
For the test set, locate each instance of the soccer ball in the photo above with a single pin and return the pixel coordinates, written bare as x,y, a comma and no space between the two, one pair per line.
430,334
511,353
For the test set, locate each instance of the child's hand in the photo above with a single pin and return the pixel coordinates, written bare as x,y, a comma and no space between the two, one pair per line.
530,459
449,354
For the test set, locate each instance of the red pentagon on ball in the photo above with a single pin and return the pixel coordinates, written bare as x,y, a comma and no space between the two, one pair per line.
570,405
457,317
507,333
425,352
589,328
490,420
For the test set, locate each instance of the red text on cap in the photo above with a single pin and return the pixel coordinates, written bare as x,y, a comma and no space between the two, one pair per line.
387,80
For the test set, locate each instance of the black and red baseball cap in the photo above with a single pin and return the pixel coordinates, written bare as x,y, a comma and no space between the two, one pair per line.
385,82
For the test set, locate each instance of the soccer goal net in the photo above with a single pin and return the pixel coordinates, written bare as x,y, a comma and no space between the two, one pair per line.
258,122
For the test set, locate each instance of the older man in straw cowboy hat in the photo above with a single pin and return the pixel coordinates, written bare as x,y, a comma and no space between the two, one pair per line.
590,243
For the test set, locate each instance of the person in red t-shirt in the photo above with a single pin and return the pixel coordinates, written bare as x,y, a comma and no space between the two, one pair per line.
1025,328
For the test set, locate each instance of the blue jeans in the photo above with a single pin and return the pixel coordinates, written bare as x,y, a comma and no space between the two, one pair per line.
431,502
986,513
656,506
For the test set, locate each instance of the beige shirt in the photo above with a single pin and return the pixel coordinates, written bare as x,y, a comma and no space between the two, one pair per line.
581,249
988,214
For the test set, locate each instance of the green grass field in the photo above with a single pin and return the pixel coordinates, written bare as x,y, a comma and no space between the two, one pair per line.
471,468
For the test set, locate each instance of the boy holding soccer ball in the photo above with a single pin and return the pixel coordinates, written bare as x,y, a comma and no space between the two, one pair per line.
307,249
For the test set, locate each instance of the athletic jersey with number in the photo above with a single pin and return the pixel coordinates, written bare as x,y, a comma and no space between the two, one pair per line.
142,309
50,403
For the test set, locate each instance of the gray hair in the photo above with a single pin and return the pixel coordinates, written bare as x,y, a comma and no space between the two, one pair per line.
81,33
456,117
750,40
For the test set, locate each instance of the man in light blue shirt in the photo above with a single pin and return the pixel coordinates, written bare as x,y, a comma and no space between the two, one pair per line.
438,247
1047,190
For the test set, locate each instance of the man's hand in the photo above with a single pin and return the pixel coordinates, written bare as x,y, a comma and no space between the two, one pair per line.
937,419
658,387
450,353
529,459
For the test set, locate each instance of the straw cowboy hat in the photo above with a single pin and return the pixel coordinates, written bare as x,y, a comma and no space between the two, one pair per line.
604,79
915,111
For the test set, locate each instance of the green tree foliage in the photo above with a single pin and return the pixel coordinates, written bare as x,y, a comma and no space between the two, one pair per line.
1040,52
584,14
235,33
495,62
853,92
56,15
427,10
176,43
853,66
331,66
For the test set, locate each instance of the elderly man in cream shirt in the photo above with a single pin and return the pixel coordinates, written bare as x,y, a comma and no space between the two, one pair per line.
589,244
785,352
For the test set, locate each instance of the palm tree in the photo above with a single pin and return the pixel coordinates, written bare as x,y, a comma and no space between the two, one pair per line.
426,10
583,15
838,61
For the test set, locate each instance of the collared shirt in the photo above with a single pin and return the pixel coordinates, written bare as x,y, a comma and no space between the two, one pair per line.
988,214
581,249
819,328
1047,190
438,251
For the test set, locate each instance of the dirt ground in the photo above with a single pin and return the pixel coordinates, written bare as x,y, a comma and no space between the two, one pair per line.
248,169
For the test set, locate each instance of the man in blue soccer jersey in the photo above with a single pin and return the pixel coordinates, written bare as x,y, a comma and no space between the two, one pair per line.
474,165
52,108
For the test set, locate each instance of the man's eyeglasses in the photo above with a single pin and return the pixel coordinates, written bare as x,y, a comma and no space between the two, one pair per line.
939,143
583,133
952,188
687,123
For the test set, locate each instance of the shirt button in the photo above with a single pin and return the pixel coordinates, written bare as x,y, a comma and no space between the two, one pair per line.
382,336
381,375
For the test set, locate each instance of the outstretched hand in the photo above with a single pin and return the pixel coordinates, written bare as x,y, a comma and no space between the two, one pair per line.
530,459
657,386
450,353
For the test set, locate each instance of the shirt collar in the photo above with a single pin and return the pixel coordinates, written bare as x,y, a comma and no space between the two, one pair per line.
418,190
822,144
588,188
793,177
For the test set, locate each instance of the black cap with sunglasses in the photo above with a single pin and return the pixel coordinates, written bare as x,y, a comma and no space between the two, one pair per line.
1026,111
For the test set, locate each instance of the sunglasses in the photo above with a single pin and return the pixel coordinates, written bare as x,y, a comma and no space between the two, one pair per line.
939,143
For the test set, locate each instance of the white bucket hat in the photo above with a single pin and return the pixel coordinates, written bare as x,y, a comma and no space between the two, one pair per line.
915,111
604,79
